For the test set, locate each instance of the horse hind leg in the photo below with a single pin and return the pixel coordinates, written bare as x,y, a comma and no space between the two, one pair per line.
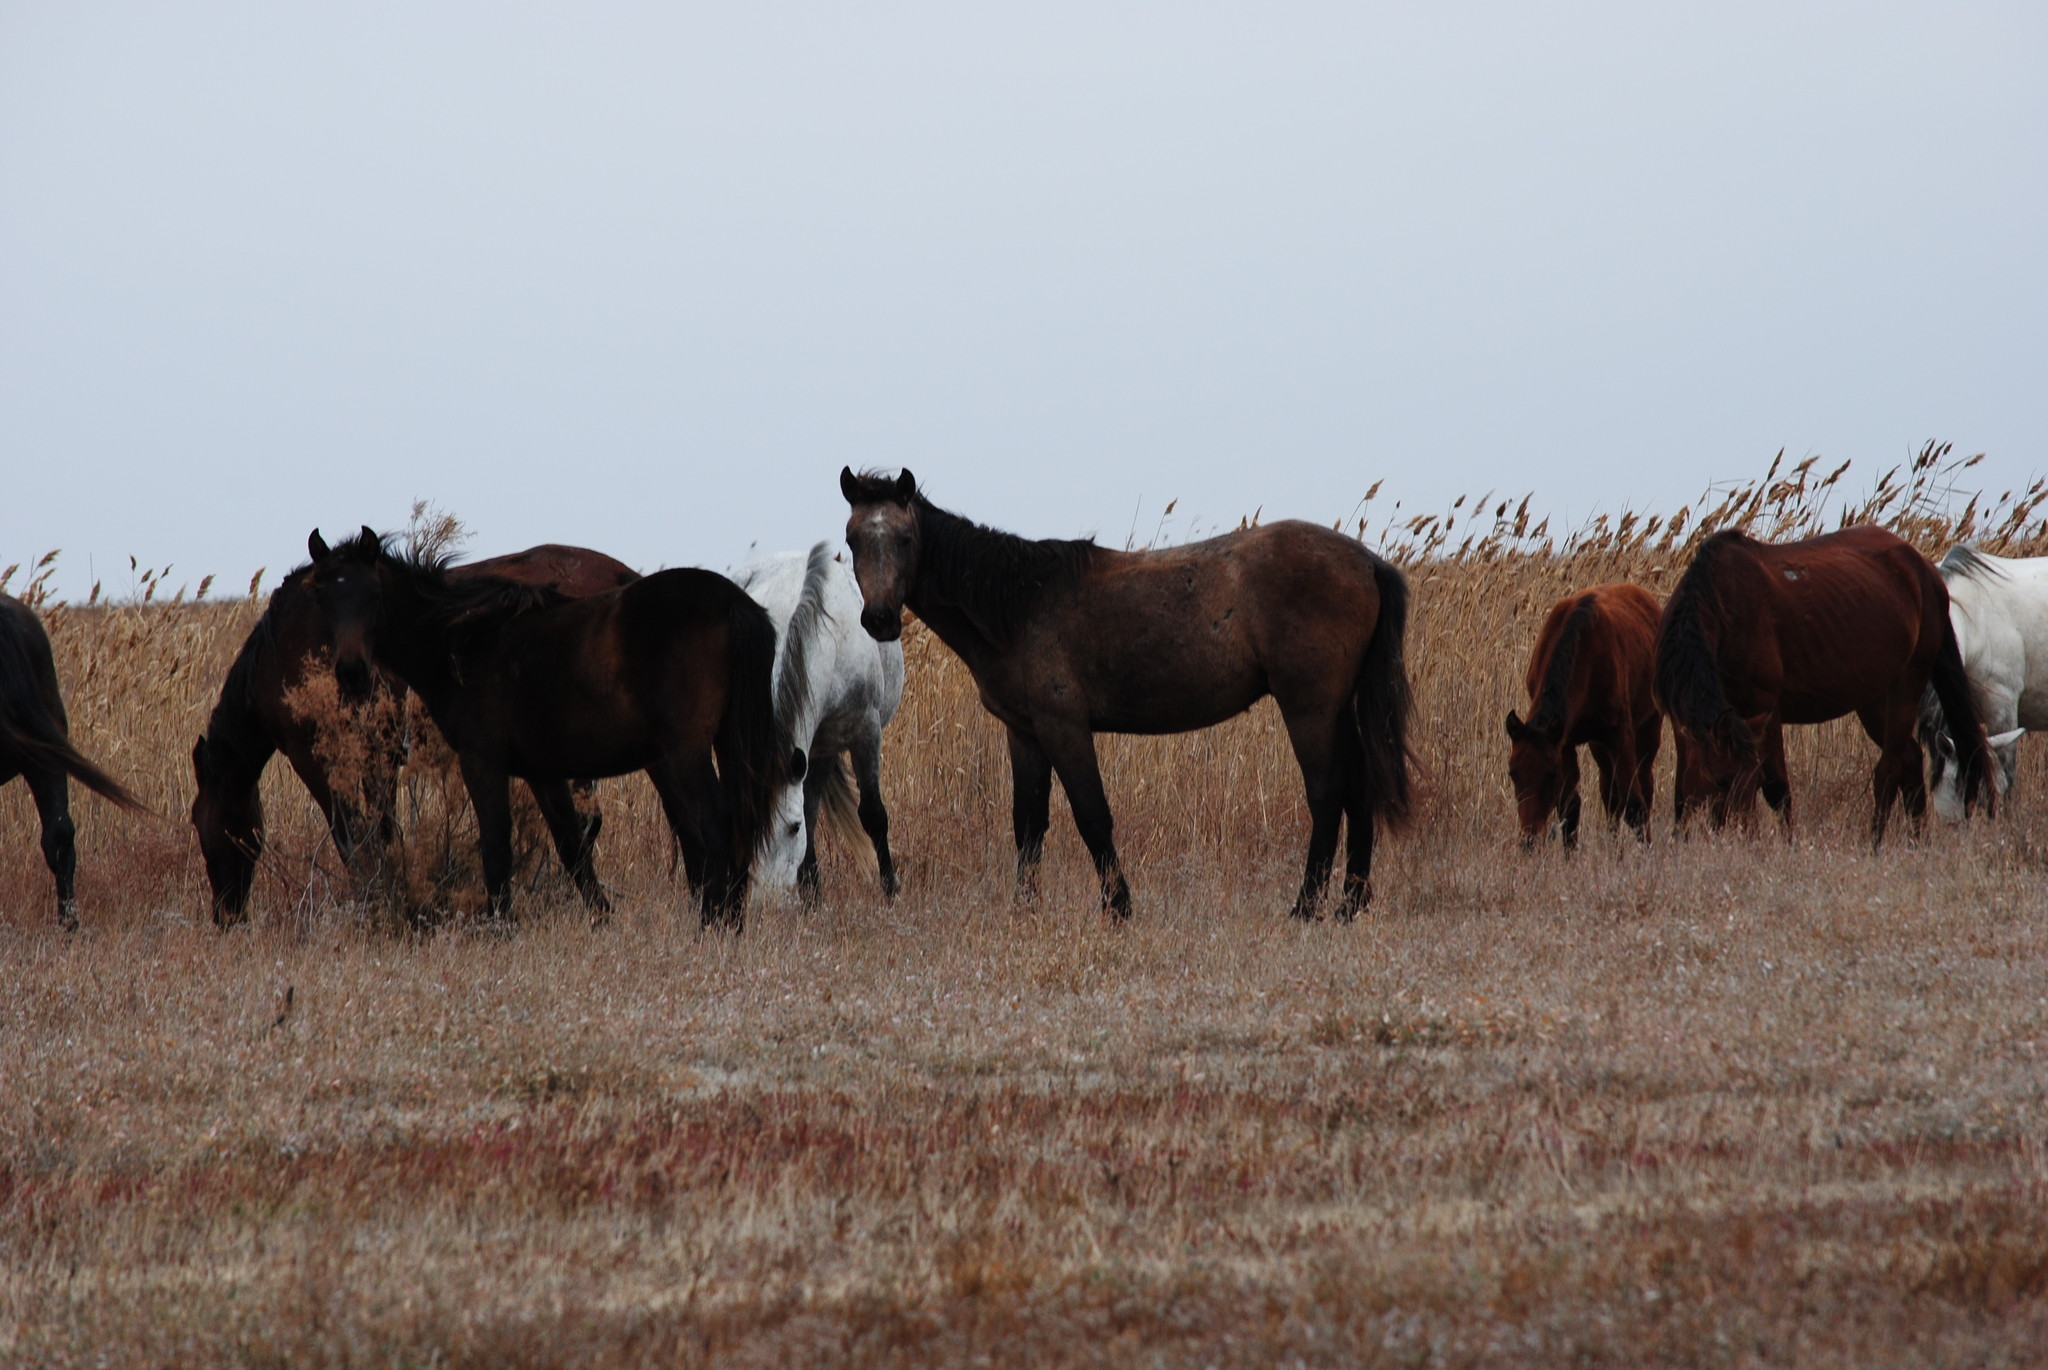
1320,752
1360,816
874,815
1073,757
52,793
694,804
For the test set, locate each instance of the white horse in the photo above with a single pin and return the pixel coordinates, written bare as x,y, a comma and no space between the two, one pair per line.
836,688
1999,608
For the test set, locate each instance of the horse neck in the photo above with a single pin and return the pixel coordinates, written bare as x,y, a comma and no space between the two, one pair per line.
411,643
939,593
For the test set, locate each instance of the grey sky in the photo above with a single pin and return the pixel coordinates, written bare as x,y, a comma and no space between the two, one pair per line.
644,277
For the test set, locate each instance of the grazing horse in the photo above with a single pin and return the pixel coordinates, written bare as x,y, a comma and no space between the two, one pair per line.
35,744
1759,635
1589,684
1998,607
523,681
254,720
1067,639
836,688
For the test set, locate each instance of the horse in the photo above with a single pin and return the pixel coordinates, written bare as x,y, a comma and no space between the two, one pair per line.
1589,685
253,720
35,744
1758,635
1998,608
836,688
659,675
1066,639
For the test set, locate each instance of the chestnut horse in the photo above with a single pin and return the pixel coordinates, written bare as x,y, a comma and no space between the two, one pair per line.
35,744
1589,685
1067,639
1758,635
660,676
253,720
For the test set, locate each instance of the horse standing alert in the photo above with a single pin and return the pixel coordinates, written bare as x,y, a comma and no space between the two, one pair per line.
1067,639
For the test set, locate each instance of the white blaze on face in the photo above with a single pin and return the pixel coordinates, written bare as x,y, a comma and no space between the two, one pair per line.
783,852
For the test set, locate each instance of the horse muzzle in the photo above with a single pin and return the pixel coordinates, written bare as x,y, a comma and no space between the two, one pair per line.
883,625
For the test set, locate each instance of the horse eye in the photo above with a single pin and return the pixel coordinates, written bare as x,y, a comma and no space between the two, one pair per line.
795,828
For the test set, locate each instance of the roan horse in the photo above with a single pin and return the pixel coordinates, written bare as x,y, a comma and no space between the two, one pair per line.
522,681
254,719
1759,635
1998,607
1067,639
836,688
1589,685
35,744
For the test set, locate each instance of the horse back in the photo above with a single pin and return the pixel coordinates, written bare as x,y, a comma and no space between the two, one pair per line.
1601,647
577,572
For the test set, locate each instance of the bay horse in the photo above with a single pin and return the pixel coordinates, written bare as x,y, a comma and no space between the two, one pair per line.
660,675
1758,635
1589,684
836,689
35,744
253,720
1998,607
1067,639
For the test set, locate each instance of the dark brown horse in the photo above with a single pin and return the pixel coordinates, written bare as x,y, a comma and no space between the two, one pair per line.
35,744
1067,639
254,720
1589,685
1759,635
523,681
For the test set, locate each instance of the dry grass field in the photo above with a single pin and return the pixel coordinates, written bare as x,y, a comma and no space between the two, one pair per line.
1735,1100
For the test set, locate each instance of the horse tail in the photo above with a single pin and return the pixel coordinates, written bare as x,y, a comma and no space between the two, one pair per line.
1964,725
839,809
752,747
1688,677
28,729
1381,701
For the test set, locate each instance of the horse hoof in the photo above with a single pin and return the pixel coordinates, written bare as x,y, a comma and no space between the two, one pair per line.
67,917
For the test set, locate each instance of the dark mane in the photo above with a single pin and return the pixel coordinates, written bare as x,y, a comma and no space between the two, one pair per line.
235,723
1553,700
1688,679
996,578
472,604
1966,561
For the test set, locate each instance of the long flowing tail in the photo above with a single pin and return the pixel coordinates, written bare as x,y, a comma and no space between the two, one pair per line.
1688,680
27,728
753,749
1381,701
1965,726
839,810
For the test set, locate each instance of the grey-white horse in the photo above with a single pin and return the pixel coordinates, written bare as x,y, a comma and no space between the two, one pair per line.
1999,608
836,688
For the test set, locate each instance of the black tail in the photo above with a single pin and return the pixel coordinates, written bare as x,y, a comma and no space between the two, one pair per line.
28,729
1688,679
753,749
1382,700
1965,727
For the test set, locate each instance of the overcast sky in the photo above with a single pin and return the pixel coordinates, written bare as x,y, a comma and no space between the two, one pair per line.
645,277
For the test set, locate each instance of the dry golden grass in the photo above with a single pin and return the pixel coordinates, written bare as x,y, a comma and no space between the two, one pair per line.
1736,1100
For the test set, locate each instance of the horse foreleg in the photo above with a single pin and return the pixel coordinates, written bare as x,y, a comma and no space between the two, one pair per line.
1776,782
575,843
1030,806
490,794
1568,803
874,815
1642,784
52,792
1073,756
809,883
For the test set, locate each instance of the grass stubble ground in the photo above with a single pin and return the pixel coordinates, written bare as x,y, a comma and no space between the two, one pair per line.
1734,1100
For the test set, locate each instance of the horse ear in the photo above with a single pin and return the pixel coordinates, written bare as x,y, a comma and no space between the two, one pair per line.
316,545
368,543
906,486
2006,738
1517,729
848,486
799,765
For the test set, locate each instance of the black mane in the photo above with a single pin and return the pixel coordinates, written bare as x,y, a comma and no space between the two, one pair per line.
1961,560
1553,701
472,603
995,578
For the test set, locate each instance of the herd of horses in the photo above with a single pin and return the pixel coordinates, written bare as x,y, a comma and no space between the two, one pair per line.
747,700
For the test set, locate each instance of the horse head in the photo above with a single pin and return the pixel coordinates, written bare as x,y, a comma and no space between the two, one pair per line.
1536,766
884,533
348,587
